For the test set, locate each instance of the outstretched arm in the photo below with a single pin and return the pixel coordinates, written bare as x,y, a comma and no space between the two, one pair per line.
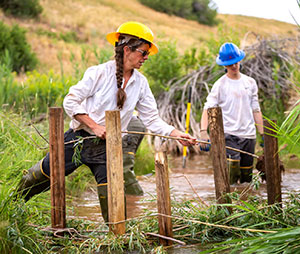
259,122
180,134
203,130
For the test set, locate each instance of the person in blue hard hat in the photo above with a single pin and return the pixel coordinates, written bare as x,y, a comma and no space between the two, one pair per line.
237,95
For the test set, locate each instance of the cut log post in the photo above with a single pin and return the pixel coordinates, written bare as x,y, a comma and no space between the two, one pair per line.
218,151
57,168
115,180
273,174
163,197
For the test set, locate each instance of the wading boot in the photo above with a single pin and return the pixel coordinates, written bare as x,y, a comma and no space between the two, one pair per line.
102,195
130,144
246,174
234,170
34,182
103,200
132,187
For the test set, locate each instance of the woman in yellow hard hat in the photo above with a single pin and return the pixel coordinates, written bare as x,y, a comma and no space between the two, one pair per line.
115,84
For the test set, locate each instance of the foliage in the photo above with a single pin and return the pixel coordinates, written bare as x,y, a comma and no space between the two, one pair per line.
69,36
34,95
13,45
288,132
162,67
16,235
224,34
144,162
22,8
195,223
203,11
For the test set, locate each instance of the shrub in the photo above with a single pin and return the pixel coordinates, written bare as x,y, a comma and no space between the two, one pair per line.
22,8
162,67
13,43
203,11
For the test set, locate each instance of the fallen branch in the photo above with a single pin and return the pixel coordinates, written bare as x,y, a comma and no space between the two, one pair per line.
166,238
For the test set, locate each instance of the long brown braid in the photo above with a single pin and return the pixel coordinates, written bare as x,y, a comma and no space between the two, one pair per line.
133,44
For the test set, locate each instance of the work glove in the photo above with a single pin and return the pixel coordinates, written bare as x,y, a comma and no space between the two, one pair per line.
204,137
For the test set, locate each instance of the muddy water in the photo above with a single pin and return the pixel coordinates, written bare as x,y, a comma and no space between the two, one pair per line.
194,182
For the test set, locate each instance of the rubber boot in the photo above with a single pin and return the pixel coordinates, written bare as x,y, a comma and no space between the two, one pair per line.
246,174
102,195
234,170
132,187
34,182
130,144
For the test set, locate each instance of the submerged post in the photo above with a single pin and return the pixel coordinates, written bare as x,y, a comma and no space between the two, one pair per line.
273,174
163,197
57,168
218,150
115,180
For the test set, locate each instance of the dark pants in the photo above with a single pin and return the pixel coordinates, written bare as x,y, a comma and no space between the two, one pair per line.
93,154
244,144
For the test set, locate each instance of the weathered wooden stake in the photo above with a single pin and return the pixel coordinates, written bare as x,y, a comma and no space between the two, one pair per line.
273,174
218,151
57,168
115,180
163,197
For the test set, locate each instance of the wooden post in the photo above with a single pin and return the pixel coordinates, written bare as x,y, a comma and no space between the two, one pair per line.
57,168
115,180
273,174
163,197
218,151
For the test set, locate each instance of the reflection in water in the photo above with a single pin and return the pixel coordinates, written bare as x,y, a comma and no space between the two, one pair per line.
199,172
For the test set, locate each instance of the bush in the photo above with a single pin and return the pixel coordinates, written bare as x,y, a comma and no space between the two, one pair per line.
21,8
14,44
203,11
162,67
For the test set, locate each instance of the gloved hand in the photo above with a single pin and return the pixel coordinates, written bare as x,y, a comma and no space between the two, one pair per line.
205,137
205,147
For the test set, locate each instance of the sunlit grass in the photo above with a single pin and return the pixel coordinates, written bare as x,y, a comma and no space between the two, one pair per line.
94,19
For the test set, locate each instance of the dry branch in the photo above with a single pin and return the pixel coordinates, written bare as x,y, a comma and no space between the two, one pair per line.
272,80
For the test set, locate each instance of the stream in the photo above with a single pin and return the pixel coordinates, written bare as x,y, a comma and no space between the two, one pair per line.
192,182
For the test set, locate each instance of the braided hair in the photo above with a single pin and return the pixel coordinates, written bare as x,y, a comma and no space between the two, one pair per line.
133,43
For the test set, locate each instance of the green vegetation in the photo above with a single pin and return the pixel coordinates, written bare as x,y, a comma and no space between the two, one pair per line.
144,159
163,67
15,51
23,227
22,8
70,36
203,11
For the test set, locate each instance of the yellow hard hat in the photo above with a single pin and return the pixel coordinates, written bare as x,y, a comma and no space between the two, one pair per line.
136,29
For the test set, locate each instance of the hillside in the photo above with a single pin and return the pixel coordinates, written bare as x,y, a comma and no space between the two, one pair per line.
91,20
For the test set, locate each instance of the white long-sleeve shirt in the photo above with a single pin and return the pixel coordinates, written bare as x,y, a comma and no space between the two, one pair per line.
97,91
238,100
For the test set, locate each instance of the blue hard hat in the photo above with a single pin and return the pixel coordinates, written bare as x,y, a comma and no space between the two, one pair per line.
229,54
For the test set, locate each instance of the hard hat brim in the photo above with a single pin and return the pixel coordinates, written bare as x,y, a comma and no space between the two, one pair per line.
232,61
113,37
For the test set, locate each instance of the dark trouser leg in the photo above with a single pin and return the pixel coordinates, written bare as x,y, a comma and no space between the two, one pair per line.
37,179
94,156
233,158
247,161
